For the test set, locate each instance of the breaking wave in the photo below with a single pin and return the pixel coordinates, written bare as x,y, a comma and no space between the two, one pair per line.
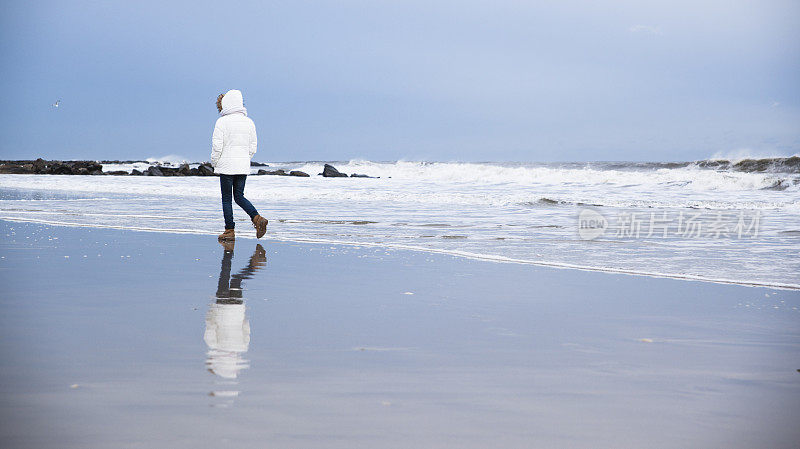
707,175
790,165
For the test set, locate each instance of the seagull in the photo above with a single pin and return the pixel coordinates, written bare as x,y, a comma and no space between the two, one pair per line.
55,105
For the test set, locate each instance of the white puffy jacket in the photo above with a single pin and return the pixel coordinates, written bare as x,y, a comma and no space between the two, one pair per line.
228,337
234,141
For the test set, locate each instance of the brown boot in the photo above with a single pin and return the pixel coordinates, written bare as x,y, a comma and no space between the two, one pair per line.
228,236
228,245
258,258
260,223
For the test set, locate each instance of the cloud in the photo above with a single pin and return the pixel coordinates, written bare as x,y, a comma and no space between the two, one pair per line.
645,29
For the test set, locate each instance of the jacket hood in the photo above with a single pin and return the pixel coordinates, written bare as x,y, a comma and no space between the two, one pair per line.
232,103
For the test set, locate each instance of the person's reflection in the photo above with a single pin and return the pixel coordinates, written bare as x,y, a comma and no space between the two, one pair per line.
227,329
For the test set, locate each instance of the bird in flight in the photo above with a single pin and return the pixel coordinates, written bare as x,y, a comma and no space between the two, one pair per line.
55,105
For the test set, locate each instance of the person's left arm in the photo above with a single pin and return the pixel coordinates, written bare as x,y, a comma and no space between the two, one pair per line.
216,144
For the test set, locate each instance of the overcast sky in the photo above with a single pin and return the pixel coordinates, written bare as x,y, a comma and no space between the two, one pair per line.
427,80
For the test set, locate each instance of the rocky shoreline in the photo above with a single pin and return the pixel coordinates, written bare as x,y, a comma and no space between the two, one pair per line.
95,168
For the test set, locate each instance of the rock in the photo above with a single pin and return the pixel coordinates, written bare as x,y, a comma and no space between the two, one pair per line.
299,173
39,165
331,172
122,162
90,166
206,169
154,171
168,171
14,169
258,164
272,172
356,175
42,166
59,169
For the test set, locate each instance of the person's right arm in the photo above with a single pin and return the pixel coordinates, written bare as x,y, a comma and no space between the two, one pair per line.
253,139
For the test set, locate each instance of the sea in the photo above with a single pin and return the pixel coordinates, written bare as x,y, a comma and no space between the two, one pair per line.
729,221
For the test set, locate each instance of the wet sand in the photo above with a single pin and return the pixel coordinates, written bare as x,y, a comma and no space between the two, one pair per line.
133,339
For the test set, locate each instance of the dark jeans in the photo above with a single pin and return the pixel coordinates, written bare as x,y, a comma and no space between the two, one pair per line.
233,188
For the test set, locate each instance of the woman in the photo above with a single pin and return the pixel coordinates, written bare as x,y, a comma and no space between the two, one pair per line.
233,144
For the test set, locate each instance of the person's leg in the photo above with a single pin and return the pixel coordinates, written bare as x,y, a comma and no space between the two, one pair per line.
238,195
226,184
259,222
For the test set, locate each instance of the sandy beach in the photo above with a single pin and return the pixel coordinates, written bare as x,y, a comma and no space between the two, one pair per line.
115,338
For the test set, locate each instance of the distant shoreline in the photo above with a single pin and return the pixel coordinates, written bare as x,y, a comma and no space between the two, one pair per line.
787,165
95,168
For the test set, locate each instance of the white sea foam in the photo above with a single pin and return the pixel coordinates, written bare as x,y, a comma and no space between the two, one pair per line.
525,213
174,159
692,188
690,178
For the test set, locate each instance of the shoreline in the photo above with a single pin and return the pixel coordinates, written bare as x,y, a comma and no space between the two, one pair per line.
461,254
155,168
776,164
511,214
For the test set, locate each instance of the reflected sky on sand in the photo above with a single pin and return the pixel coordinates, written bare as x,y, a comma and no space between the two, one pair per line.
227,333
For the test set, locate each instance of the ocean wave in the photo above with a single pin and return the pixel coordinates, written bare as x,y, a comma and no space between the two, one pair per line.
694,190
788,165
780,173
748,153
776,174
520,212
